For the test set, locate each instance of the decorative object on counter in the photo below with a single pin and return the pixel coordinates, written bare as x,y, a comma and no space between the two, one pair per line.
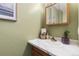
43,33
43,36
65,39
43,30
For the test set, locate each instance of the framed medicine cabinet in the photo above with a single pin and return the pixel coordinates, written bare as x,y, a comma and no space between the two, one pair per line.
57,13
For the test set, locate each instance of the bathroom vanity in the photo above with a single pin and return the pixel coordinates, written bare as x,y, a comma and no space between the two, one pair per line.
46,47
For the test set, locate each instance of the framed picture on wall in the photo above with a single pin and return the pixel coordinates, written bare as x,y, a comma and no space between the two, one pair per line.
8,11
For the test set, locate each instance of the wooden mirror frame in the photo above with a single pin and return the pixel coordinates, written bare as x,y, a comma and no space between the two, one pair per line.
68,14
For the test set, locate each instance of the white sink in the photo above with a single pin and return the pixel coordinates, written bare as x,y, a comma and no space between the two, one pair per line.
56,47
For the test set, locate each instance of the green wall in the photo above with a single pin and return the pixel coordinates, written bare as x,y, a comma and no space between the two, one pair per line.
72,27
78,22
14,35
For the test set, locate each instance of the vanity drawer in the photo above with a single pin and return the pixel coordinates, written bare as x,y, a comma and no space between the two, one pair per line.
38,52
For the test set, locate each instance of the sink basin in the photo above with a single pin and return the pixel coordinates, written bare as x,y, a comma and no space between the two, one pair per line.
56,47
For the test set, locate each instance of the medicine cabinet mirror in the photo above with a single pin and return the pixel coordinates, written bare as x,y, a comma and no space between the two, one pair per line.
57,13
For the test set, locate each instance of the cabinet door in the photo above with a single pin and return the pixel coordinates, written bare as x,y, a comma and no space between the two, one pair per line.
38,52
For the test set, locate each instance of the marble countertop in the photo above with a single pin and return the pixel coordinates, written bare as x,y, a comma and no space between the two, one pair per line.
55,47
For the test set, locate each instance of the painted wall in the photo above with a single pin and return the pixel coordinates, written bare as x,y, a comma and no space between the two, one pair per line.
78,23
14,35
72,27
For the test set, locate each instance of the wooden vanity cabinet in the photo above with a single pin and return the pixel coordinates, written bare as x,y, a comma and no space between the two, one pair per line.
38,52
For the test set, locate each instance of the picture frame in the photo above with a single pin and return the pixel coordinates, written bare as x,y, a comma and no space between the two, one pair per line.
8,11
